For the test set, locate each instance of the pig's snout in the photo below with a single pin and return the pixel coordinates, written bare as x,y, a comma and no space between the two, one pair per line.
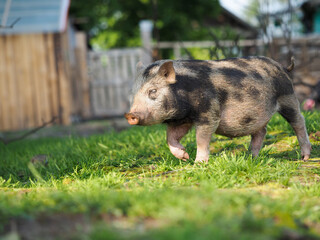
133,119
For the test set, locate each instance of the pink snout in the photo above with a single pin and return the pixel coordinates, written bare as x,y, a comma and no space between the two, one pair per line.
133,118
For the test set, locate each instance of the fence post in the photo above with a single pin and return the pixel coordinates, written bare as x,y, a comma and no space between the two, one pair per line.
82,73
146,27
176,51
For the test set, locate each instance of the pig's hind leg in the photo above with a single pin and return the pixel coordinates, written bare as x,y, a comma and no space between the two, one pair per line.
174,135
257,140
289,108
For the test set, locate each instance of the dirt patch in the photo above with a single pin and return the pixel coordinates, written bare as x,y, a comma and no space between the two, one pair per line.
60,226
71,226
83,129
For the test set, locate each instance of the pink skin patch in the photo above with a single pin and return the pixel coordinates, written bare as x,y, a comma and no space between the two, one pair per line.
309,105
174,135
178,151
305,153
202,157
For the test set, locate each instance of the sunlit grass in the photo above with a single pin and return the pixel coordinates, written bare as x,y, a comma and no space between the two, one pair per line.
129,186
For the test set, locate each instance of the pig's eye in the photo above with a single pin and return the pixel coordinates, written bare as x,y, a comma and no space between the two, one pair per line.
153,91
152,94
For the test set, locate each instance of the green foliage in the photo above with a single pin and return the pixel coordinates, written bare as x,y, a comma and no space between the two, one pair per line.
115,23
127,185
217,52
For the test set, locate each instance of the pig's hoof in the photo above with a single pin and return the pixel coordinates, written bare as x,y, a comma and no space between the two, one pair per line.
305,157
180,153
185,156
200,161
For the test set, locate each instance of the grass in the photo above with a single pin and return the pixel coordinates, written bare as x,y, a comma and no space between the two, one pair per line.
127,185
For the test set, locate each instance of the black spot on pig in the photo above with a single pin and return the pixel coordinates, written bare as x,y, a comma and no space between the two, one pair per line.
166,104
282,85
274,100
222,95
279,68
266,60
186,83
246,120
193,94
253,92
267,70
241,63
238,96
202,69
233,76
178,122
288,113
147,71
202,121
257,75
271,63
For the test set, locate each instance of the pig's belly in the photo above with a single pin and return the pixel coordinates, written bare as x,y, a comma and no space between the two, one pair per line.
237,121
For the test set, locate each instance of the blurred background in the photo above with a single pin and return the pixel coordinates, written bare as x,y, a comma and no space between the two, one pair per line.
75,60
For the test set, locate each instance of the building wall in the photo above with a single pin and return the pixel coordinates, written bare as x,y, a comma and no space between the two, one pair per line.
317,21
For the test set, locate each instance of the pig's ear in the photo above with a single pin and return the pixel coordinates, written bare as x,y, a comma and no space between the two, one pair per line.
167,71
139,66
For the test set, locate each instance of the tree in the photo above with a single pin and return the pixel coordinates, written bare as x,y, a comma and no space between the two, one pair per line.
273,15
115,23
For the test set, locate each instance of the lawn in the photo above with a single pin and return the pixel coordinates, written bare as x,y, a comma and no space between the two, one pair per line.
127,185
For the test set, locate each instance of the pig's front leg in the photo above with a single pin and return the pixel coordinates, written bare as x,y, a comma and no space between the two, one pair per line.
174,135
203,135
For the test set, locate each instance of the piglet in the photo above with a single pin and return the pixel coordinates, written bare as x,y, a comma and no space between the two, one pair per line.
232,97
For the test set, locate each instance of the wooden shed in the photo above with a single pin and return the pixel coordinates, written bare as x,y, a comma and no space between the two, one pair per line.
39,60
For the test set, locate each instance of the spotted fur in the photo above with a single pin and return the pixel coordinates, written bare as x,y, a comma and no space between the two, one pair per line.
232,97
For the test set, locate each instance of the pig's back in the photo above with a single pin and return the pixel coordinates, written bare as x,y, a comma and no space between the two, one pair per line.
248,89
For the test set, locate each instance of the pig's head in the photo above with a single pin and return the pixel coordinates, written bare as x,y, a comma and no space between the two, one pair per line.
152,95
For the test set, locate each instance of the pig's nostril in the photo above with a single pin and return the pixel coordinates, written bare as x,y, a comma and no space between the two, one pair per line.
132,119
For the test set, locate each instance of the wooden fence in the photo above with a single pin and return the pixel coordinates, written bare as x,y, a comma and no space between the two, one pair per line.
111,76
33,86
38,81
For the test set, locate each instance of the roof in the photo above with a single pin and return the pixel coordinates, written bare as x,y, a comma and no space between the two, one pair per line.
33,16
228,18
241,23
